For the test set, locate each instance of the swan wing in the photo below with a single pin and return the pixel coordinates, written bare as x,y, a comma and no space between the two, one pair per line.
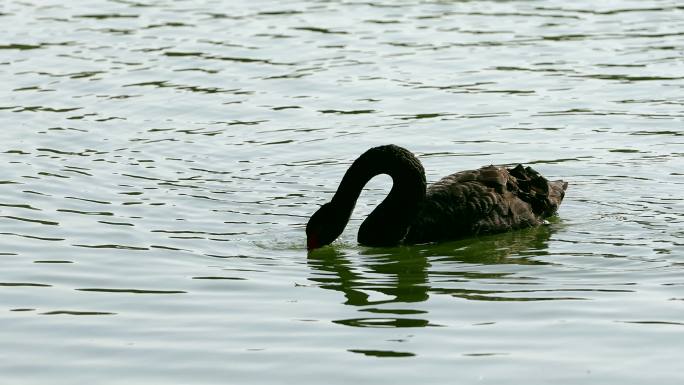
487,200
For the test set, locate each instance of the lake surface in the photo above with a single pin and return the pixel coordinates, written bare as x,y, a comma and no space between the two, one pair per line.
160,161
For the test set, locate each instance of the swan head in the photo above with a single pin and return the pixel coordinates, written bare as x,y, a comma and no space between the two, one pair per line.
324,226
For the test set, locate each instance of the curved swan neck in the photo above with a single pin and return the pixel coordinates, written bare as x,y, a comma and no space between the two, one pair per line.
389,222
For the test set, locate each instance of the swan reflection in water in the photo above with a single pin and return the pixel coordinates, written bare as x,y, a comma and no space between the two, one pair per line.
408,275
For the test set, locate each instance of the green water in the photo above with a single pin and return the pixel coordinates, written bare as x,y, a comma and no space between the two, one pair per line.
160,161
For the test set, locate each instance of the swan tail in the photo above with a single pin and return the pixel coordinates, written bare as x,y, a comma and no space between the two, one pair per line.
544,196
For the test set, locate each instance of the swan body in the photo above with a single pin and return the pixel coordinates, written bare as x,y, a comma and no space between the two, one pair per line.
490,199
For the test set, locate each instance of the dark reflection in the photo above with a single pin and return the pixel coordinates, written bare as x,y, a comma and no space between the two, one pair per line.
399,273
132,291
396,274
515,247
409,274
382,353
385,322
24,284
74,312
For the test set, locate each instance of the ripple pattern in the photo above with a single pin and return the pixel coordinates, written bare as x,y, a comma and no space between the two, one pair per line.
160,160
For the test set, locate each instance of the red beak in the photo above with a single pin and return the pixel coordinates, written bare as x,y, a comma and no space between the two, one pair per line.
312,242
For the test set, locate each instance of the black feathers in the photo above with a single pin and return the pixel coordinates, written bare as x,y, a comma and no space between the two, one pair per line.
487,200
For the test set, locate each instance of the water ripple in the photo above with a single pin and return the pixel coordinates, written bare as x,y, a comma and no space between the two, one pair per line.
133,291
161,161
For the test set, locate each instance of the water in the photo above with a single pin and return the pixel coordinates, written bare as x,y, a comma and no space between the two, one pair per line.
160,160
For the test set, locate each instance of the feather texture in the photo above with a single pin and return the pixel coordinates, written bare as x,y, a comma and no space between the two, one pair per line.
490,199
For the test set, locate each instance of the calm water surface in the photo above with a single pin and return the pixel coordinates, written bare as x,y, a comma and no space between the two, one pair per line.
160,160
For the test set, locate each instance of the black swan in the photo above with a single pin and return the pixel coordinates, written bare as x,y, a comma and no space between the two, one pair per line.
491,199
